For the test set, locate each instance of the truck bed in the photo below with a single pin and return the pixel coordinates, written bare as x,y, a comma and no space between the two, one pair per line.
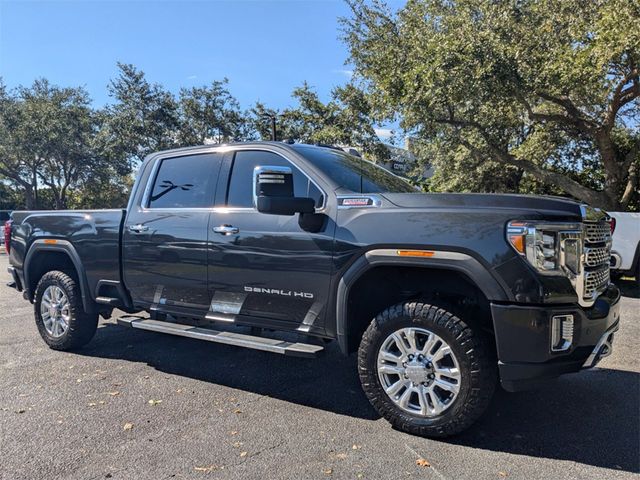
94,234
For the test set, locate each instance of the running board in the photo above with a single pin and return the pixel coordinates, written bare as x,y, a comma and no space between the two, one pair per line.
227,338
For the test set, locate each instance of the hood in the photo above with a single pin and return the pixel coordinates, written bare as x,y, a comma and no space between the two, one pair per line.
541,205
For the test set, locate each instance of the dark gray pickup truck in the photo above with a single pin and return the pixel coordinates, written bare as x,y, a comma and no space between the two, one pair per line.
441,295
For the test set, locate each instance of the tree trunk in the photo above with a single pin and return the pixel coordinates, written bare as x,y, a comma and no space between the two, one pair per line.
614,182
34,184
29,198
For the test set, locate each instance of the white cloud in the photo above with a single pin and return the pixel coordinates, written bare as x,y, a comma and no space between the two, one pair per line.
192,77
345,72
384,133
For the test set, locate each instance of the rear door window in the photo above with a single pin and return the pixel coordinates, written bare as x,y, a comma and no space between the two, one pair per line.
187,181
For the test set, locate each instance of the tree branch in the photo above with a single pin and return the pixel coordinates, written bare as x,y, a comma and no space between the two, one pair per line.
502,156
622,96
583,124
547,117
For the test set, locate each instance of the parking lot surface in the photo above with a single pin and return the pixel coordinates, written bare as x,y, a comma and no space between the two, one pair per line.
135,404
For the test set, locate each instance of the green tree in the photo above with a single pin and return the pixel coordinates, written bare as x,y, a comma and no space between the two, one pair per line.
48,139
545,88
103,188
143,118
210,113
10,198
18,162
343,120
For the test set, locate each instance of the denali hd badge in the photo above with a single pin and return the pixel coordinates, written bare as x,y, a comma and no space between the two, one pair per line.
355,202
276,291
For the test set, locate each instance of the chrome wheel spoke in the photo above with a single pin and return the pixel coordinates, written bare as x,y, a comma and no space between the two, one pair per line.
393,389
410,335
389,357
391,369
437,407
442,352
397,338
403,401
47,320
451,372
428,346
424,404
446,385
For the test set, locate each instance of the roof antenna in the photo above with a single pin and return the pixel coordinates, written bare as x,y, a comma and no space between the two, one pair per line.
273,125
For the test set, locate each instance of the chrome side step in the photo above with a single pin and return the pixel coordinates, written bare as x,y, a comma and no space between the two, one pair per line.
228,338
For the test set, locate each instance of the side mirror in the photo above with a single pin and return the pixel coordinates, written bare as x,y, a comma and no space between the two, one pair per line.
273,192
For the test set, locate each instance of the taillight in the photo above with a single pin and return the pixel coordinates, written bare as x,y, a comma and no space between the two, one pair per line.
7,235
612,224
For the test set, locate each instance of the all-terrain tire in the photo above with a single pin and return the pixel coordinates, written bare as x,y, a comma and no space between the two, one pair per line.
81,325
477,369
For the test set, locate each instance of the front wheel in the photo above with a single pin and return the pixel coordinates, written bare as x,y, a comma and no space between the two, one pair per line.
425,370
62,322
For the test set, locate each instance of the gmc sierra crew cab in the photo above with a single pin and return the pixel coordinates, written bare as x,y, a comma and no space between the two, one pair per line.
441,295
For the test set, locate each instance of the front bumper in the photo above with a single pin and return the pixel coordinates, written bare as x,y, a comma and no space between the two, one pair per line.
523,339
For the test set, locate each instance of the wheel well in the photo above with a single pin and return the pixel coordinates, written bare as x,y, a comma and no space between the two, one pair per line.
46,261
381,287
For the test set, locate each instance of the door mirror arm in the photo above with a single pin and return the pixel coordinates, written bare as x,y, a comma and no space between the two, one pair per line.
312,222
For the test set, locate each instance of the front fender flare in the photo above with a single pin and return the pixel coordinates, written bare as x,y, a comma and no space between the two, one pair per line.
460,262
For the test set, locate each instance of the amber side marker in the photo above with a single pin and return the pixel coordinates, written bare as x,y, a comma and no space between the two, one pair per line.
518,242
416,253
50,241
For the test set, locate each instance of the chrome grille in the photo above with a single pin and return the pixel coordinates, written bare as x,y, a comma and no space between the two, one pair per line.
594,257
595,281
597,232
597,253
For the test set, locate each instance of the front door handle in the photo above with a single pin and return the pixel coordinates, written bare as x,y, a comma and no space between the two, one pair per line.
139,228
226,229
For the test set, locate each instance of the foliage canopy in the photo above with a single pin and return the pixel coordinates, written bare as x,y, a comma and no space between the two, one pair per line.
545,88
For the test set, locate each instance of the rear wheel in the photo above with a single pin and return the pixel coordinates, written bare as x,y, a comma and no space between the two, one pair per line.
425,370
62,322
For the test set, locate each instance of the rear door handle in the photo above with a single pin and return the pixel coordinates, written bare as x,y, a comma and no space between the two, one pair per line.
226,229
139,228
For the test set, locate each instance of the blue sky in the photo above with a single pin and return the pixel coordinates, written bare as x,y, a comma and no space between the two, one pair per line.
265,48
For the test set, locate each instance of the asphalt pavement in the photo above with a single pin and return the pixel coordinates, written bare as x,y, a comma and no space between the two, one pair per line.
137,405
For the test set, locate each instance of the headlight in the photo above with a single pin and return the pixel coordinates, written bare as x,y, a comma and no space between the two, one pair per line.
549,247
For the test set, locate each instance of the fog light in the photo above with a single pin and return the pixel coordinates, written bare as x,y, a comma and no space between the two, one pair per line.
561,332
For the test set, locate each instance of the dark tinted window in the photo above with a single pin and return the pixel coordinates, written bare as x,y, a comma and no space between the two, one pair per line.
241,184
4,216
354,173
186,182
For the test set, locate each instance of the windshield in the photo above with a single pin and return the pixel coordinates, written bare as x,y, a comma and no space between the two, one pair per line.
353,173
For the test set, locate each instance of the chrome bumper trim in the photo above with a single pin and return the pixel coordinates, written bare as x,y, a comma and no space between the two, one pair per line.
603,348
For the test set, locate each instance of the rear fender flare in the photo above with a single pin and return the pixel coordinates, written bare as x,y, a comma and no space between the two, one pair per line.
64,246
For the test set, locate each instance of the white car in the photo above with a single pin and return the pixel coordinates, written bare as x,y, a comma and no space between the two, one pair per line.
625,251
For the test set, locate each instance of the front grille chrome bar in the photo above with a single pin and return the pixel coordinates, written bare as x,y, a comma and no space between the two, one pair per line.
594,277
